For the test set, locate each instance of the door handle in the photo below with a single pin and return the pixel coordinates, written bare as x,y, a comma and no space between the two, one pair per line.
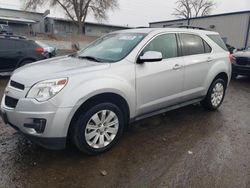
209,59
177,67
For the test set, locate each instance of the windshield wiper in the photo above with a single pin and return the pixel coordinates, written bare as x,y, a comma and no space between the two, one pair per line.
90,58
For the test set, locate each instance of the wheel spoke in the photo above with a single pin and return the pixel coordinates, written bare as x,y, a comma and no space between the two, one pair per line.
103,116
96,119
94,142
112,130
112,123
91,135
91,127
107,136
101,140
110,117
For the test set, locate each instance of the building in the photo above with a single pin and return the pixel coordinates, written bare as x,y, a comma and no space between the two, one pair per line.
29,23
23,22
233,27
67,27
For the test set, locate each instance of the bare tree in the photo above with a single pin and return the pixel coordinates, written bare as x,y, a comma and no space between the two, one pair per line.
77,10
193,8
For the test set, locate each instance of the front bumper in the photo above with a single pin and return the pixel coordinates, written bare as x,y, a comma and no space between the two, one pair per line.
57,121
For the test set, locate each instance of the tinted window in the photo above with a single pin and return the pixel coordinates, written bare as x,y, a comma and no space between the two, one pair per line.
2,44
7,44
207,48
20,44
166,44
192,44
218,40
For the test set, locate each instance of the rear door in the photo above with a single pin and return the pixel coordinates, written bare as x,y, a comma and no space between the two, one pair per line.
159,84
198,60
11,52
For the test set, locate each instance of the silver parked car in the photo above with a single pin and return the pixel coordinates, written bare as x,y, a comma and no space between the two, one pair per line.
91,96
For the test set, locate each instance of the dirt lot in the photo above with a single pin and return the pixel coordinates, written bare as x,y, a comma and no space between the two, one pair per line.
189,147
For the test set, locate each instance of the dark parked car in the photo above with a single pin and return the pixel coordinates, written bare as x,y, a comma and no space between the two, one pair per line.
231,49
241,65
16,51
5,29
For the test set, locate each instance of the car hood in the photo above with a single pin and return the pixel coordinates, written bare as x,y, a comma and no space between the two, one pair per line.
242,54
64,66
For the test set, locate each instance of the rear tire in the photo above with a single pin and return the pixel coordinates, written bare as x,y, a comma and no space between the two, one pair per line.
215,95
98,129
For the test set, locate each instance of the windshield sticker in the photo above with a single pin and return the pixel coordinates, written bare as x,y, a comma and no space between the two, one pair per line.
127,38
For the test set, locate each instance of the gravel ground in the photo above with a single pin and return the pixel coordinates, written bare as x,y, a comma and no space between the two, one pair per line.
188,147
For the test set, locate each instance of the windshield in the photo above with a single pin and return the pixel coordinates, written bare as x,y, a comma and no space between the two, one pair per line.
112,47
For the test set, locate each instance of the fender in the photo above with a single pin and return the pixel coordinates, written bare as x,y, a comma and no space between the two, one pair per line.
87,89
217,68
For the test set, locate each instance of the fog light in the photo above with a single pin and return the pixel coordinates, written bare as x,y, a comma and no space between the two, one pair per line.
37,124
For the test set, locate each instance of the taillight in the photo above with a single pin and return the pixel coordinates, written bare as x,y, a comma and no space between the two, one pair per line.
232,58
39,50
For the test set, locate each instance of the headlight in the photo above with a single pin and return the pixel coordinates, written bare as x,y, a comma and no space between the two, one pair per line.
45,90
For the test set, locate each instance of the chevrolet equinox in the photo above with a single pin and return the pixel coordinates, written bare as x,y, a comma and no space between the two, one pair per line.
90,97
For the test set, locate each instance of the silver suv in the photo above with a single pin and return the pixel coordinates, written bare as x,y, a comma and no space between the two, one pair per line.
91,96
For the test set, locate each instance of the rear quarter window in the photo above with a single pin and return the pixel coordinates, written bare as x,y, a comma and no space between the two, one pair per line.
217,39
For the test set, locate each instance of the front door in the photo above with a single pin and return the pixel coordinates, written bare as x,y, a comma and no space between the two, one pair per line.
159,84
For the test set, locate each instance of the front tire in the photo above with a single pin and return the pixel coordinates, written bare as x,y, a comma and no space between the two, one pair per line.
98,129
215,95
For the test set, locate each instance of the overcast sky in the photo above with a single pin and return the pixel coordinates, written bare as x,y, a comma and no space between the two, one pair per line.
141,12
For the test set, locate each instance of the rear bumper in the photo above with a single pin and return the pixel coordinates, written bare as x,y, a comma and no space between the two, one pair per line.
241,70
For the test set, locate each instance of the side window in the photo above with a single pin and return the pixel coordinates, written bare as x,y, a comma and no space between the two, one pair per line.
217,39
192,44
2,44
207,48
7,44
20,44
166,44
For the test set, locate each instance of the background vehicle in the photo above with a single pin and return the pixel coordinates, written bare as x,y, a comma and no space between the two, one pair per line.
231,49
49,51
125,76
5,29
16,51
241,65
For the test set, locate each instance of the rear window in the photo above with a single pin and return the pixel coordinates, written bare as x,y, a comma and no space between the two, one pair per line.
217,39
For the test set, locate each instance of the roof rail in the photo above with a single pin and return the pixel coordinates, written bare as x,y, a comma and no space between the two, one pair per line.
12,36
191,27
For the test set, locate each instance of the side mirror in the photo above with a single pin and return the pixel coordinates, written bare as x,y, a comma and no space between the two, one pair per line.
150,56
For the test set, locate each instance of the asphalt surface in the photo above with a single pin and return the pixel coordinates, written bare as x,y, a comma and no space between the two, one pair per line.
188,147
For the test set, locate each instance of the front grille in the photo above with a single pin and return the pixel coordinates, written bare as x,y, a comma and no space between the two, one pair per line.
16,85
10,102
243,60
